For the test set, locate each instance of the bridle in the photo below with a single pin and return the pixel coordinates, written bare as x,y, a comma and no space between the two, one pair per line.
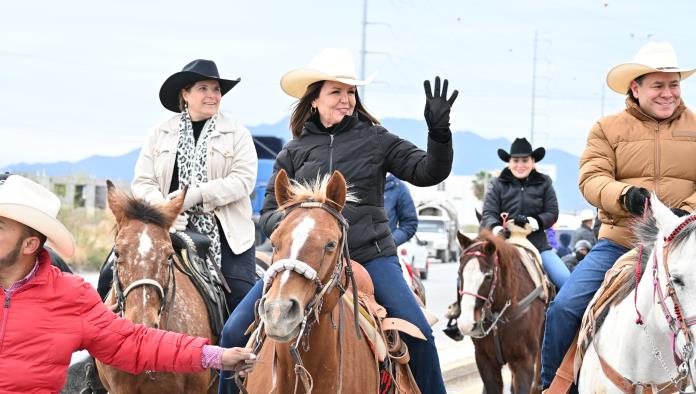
313,308
162,291
487,314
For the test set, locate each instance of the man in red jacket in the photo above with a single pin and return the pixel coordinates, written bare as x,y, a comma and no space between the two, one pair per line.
46,315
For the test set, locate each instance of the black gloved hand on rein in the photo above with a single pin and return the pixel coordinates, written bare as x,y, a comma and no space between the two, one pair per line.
634,200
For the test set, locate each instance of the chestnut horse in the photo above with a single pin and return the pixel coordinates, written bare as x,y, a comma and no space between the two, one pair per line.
149,290
500,308
311,340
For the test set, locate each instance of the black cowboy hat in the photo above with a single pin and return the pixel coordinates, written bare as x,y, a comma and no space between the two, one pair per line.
197,70
521,148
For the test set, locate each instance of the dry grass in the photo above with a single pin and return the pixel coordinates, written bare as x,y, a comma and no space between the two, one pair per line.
94,236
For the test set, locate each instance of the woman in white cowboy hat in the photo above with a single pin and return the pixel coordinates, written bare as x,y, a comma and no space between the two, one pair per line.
214,155
527,196
332,130
48,315
628,155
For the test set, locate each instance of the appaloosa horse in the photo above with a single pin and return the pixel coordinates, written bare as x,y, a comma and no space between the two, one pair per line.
307,329
500,308
148,289
646,340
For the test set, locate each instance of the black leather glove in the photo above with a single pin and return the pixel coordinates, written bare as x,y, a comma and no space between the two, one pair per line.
521,220
634,200
437,110
680,212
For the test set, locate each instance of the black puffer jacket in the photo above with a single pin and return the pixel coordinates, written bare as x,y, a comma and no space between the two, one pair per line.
363,153
533,197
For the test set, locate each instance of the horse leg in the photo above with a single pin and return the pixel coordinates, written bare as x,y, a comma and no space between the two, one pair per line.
522,374
490,372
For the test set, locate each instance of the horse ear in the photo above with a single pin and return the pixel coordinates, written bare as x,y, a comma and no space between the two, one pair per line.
479,216
336,191
115,198
173,207
665,219
464,241
282,188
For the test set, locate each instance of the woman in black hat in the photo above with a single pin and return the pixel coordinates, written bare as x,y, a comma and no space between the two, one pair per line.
215,156
528,197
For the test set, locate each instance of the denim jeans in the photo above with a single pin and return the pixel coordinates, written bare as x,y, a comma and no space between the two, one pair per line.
554,267
391,291
564,314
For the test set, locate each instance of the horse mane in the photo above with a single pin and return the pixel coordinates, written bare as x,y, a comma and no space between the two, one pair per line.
313,191
139,209
508,256
645,235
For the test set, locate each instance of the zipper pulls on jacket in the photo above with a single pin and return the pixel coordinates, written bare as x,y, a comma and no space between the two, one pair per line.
3,323
331,154
7,301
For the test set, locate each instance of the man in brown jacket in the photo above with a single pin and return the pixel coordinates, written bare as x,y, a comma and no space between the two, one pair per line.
643,149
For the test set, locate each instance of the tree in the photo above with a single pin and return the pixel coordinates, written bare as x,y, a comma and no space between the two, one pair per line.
480,184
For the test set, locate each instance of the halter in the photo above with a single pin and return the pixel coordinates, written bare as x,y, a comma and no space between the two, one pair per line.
313,308
487,314
161,290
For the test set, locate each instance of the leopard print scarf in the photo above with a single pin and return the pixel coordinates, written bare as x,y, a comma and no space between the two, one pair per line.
192,159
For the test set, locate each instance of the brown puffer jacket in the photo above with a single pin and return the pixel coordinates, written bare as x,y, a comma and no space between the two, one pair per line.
633,149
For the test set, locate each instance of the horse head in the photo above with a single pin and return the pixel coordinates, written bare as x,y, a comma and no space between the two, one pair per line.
485,281
307,254
142,255
669,295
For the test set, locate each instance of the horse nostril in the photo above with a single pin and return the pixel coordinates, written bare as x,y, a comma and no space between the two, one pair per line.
294,309
156,325
262,306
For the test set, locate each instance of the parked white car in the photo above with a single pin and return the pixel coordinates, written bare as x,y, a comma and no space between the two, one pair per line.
414,253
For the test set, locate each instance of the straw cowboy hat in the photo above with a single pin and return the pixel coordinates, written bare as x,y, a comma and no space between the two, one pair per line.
33,205
197,70
652,57
522,148
331,64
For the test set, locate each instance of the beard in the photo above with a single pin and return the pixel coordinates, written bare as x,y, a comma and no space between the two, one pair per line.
12,257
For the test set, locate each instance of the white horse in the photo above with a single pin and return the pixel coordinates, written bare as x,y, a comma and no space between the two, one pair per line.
656,356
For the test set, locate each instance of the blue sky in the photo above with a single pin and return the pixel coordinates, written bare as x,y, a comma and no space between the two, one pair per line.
82,77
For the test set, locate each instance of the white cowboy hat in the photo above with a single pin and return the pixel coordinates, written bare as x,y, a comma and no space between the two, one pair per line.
331,64
31,204
586,214
652,57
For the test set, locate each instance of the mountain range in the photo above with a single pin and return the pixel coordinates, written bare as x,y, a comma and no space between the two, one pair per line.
472,153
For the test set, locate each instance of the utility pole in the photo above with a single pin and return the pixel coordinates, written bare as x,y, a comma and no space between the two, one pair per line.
534,61
363,51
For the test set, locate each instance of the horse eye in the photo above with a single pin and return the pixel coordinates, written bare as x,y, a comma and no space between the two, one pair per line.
330,246
677,280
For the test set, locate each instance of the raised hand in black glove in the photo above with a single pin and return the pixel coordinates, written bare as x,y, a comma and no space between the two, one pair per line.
437,110
680,212
634,200
521,220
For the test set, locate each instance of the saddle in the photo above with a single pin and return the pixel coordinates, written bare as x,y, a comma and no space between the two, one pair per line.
192,249
614,288
381,331
531,259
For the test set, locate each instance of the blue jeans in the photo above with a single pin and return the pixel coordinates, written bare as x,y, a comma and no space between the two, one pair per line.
554,267
564,314
392,292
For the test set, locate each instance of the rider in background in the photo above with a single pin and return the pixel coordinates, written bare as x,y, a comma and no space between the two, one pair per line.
401,212
527,196
214,155
332,130
628,155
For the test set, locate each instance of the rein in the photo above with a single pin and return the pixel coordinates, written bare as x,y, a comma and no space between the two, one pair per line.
313,308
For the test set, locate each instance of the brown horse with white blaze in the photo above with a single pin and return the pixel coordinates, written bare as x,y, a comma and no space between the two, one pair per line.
149,290
311,340
501,311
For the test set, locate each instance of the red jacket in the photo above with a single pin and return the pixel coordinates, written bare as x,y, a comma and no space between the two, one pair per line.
55,314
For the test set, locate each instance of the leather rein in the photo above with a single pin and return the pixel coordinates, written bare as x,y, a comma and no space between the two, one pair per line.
313,308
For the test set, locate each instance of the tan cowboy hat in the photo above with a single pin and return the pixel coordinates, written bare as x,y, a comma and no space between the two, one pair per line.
652,57
331,64
31,204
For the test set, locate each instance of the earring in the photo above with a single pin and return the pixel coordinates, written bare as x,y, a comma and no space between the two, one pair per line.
313,110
